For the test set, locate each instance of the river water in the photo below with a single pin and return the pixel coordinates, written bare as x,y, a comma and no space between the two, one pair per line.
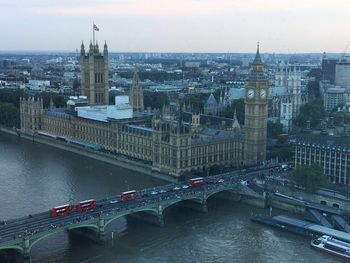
35,177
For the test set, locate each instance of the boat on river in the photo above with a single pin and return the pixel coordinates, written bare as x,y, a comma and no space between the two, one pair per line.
331,245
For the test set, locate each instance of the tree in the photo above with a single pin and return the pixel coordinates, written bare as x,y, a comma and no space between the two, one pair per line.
57,99
312,111
340,117
76,84
237,105
194,101
310,177
9,115
274,129
155,100
284,152
12,96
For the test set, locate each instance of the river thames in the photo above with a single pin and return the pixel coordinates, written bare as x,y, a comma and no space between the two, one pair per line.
36,177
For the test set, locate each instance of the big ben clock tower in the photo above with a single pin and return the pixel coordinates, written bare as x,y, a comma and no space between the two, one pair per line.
255,120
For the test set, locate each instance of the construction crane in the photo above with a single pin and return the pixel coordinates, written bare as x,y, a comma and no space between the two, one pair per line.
346,48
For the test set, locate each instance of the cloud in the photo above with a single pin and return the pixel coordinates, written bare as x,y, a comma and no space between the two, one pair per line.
175,8
180,7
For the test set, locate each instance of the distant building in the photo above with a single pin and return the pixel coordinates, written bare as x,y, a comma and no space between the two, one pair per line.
328,69
342,72
330,152
287,95
94,74
333,97
136,94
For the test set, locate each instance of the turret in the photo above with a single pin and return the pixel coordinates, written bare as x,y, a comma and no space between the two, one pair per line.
91,48
82,49
97,48
105,49
235,124
52,105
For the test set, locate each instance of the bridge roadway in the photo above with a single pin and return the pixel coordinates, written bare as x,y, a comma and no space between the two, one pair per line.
23,233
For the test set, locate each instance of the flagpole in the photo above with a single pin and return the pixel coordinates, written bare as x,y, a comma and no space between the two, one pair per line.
93,32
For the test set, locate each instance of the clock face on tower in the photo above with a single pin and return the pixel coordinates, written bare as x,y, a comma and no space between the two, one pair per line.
263,93
250,94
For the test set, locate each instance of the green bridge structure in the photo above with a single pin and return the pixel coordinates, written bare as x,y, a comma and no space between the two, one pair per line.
18,236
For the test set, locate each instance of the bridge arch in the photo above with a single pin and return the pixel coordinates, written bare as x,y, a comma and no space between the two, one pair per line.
17,248
133,211
94,227
36,240
218,191
179,200
62,229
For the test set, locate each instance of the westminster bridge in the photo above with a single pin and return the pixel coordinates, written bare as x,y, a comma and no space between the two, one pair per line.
20,235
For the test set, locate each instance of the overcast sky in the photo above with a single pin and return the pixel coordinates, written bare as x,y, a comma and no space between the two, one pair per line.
281,26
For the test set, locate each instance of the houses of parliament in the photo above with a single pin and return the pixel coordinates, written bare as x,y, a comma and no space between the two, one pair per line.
173,142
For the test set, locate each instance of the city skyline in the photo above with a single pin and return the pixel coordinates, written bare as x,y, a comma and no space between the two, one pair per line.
177,26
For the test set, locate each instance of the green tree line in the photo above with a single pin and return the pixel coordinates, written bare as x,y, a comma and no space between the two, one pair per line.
9,104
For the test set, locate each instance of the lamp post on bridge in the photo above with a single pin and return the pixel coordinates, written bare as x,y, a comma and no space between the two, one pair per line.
160,213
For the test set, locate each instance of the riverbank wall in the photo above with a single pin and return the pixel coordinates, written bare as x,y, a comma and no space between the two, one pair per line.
286,205
116,160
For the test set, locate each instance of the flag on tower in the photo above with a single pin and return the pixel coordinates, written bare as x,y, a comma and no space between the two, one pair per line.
96,28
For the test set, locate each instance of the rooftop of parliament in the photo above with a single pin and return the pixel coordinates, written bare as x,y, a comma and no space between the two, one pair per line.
172,141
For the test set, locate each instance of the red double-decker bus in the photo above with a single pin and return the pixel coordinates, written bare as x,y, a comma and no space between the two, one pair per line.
196,182
129,195
86,205
61,210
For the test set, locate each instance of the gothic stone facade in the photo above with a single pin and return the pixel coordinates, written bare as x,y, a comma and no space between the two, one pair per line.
170,143
94,74
256,93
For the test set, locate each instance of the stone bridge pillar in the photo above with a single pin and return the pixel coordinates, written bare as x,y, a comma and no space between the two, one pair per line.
204,201
101,229
26,248
204,205
160,215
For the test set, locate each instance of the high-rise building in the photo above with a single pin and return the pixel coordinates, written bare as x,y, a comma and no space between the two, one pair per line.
328,68
94,74
256,93
342,72
136,94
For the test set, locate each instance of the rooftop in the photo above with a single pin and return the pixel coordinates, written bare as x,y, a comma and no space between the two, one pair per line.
322,141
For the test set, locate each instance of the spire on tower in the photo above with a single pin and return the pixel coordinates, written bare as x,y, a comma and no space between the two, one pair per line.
91,48
96,47
82,49
135,79
52,105
105,49
257,59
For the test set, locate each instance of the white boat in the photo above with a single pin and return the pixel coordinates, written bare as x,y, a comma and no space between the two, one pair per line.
332,246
